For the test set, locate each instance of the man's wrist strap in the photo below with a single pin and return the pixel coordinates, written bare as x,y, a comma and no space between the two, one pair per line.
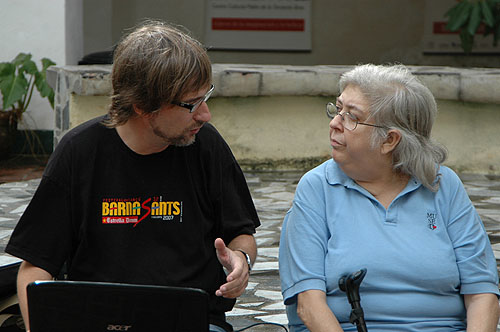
249,262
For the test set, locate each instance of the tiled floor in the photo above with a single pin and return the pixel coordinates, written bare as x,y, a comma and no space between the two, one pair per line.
21,169
273,193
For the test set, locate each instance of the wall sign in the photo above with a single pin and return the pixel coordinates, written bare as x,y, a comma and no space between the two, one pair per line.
258,25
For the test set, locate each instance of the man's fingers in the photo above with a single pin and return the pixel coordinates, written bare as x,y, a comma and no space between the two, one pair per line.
237,282
236,264
223,253
233,289
219,244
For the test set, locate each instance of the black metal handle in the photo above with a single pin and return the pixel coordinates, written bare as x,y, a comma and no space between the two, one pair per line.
350,285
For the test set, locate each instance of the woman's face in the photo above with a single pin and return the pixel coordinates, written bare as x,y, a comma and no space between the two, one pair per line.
352,148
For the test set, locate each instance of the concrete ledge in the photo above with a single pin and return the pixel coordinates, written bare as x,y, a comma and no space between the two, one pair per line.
480,85
239,80
273,117
92,80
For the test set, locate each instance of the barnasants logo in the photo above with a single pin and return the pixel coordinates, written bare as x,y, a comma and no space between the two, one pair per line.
134,210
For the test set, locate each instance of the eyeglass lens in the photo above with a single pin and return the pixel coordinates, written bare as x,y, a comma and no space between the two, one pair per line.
348,122
204,99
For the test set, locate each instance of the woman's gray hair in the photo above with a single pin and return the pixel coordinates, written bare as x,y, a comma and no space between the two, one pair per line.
398,100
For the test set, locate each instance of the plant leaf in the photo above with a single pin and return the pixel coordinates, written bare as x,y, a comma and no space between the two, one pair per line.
13,90
467,41
487,14
7,74
15,85
21,58
453,10
475,19
51,97
46,63
461,17
29,67
44,88
6,69
41,84
454,13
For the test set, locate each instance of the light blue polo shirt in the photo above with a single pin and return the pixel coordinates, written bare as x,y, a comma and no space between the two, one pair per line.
421,253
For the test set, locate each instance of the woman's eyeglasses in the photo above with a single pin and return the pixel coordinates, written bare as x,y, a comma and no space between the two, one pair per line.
349,121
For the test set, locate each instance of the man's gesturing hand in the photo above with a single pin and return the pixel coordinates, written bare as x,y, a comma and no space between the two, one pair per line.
236,264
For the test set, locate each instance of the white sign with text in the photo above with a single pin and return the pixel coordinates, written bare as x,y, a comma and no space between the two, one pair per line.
258,24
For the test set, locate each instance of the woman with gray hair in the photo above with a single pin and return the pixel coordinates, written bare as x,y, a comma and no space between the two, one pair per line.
385,203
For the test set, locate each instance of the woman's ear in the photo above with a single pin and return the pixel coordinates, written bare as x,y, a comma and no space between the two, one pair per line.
392,140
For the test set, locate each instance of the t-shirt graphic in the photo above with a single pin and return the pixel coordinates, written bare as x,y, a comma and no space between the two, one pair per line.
133,210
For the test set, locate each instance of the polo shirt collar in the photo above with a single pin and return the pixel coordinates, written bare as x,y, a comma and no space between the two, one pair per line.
335,176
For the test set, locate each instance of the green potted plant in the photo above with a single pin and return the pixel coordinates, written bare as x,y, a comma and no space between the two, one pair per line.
466,17
18,80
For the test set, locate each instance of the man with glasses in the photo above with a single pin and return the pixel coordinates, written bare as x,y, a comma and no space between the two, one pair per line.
149,193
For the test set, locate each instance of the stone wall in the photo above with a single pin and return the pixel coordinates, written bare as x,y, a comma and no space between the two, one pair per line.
273,116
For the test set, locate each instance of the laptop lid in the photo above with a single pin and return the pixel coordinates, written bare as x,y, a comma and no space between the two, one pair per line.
77,306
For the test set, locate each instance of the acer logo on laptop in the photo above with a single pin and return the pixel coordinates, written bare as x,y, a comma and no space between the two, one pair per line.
112,327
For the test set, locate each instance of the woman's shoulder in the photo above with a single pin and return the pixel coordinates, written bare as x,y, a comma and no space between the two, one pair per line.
449,181
448,176
317,173
324,175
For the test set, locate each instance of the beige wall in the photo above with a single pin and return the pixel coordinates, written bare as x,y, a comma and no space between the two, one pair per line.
83,108
292,131
343,32
471,132
284,128
273,116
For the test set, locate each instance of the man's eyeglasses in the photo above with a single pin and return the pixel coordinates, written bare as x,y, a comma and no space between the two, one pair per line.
193,107
349,121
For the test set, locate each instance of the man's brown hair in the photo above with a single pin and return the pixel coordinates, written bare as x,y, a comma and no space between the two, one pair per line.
155,65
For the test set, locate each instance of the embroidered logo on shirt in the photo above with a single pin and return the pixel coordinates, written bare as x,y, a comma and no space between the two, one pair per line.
431,220
134,210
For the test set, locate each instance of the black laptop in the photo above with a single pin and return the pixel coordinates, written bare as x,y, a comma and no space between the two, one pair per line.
75,306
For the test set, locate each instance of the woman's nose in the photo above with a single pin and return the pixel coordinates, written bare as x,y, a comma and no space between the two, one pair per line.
336,122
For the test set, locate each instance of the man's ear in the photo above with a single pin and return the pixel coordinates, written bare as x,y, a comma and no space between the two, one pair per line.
137,110
392,140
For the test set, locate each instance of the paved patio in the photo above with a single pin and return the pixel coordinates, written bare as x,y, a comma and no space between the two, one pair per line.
273,193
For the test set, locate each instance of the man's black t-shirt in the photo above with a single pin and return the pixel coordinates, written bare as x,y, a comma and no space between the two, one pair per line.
114,215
